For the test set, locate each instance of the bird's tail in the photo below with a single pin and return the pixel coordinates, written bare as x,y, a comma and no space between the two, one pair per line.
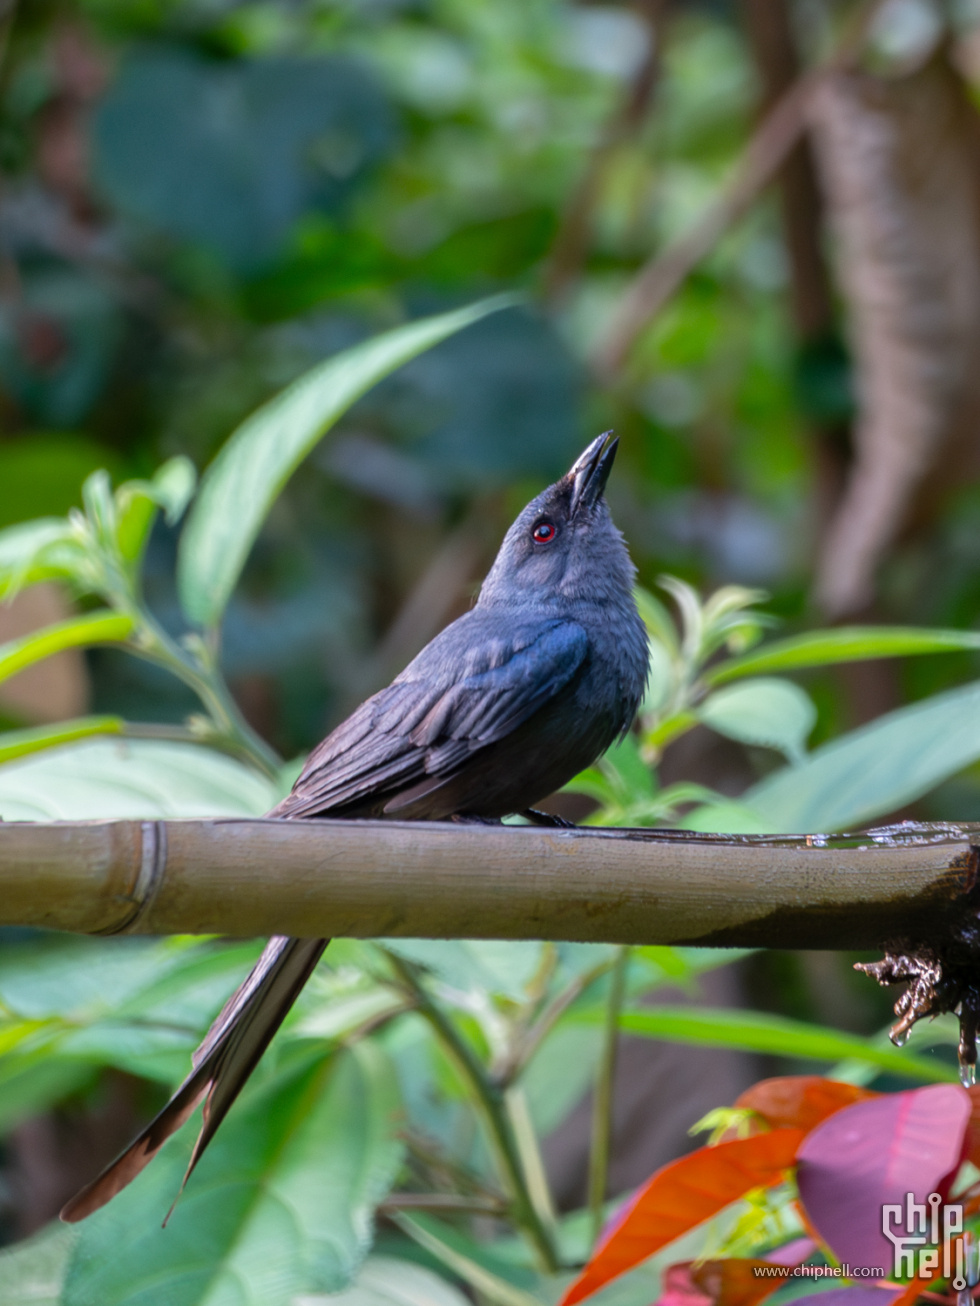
221,1065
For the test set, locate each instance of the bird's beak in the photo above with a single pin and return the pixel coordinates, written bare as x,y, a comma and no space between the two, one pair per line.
591,471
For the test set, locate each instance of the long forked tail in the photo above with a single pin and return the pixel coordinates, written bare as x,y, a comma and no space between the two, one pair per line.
221,1065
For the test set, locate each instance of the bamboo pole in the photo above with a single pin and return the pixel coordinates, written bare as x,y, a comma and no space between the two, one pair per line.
428,880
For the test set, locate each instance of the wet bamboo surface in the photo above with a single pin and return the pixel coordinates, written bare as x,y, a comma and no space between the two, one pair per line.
428,880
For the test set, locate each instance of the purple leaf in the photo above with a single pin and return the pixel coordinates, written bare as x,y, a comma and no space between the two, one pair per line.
875,1152
858,1295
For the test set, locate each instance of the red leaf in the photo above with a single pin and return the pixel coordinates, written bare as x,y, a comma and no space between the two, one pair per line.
680,1196
743,1282
800,1101
679,1289
875,1152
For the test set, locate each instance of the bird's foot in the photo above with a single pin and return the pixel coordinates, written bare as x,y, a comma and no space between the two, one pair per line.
467,818
546,818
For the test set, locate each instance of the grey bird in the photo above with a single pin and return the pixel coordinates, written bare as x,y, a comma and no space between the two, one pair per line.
502,708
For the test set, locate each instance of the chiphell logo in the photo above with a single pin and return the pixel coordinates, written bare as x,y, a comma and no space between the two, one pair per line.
928,1239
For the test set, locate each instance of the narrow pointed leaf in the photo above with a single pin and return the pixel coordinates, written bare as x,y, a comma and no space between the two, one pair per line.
846,644
243,482
682,1195
21,743
76,632
756,1031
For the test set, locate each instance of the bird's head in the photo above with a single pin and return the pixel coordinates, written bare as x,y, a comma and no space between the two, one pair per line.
564,546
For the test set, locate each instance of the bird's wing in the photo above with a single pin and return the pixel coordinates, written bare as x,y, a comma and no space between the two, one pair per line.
468,688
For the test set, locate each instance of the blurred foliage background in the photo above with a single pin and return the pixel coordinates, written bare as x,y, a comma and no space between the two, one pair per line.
770,288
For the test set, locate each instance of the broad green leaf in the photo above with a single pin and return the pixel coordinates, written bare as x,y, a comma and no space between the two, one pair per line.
79,978
248,474
30,1085
846,644
129,778
496,966
627,770
35,739
281,1204
77,1004
471,1262
756,1031
385,1281
874,770
76,632
561,1074
32,1272
726,816
767,711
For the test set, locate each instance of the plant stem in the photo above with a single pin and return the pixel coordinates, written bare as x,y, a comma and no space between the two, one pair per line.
527,1041
602,1106
234,734
489,1098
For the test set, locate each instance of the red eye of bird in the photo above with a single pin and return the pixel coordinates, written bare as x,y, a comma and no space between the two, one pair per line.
544,532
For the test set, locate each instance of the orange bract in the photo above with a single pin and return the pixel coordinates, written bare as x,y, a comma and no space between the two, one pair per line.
800,1101
680,1196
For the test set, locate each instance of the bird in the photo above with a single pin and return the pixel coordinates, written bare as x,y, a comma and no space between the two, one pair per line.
503,707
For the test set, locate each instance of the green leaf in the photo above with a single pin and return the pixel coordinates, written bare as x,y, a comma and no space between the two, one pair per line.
385,1281
32,1272
25,553
767,711
474,965
244,480
137,501
281,1204
78,1004
874,770
471,1262
846,644
561,1073
724,816
661,678
657,619
756,1031
133,778
30,1085
35,739
76,632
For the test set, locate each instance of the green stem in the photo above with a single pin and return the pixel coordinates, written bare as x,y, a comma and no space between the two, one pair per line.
234,734
526,1042
602,1104
490,1100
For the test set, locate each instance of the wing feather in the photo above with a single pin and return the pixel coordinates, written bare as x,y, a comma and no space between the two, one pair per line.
470,687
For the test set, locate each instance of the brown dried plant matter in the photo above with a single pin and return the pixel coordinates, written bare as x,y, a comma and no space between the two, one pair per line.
940,977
